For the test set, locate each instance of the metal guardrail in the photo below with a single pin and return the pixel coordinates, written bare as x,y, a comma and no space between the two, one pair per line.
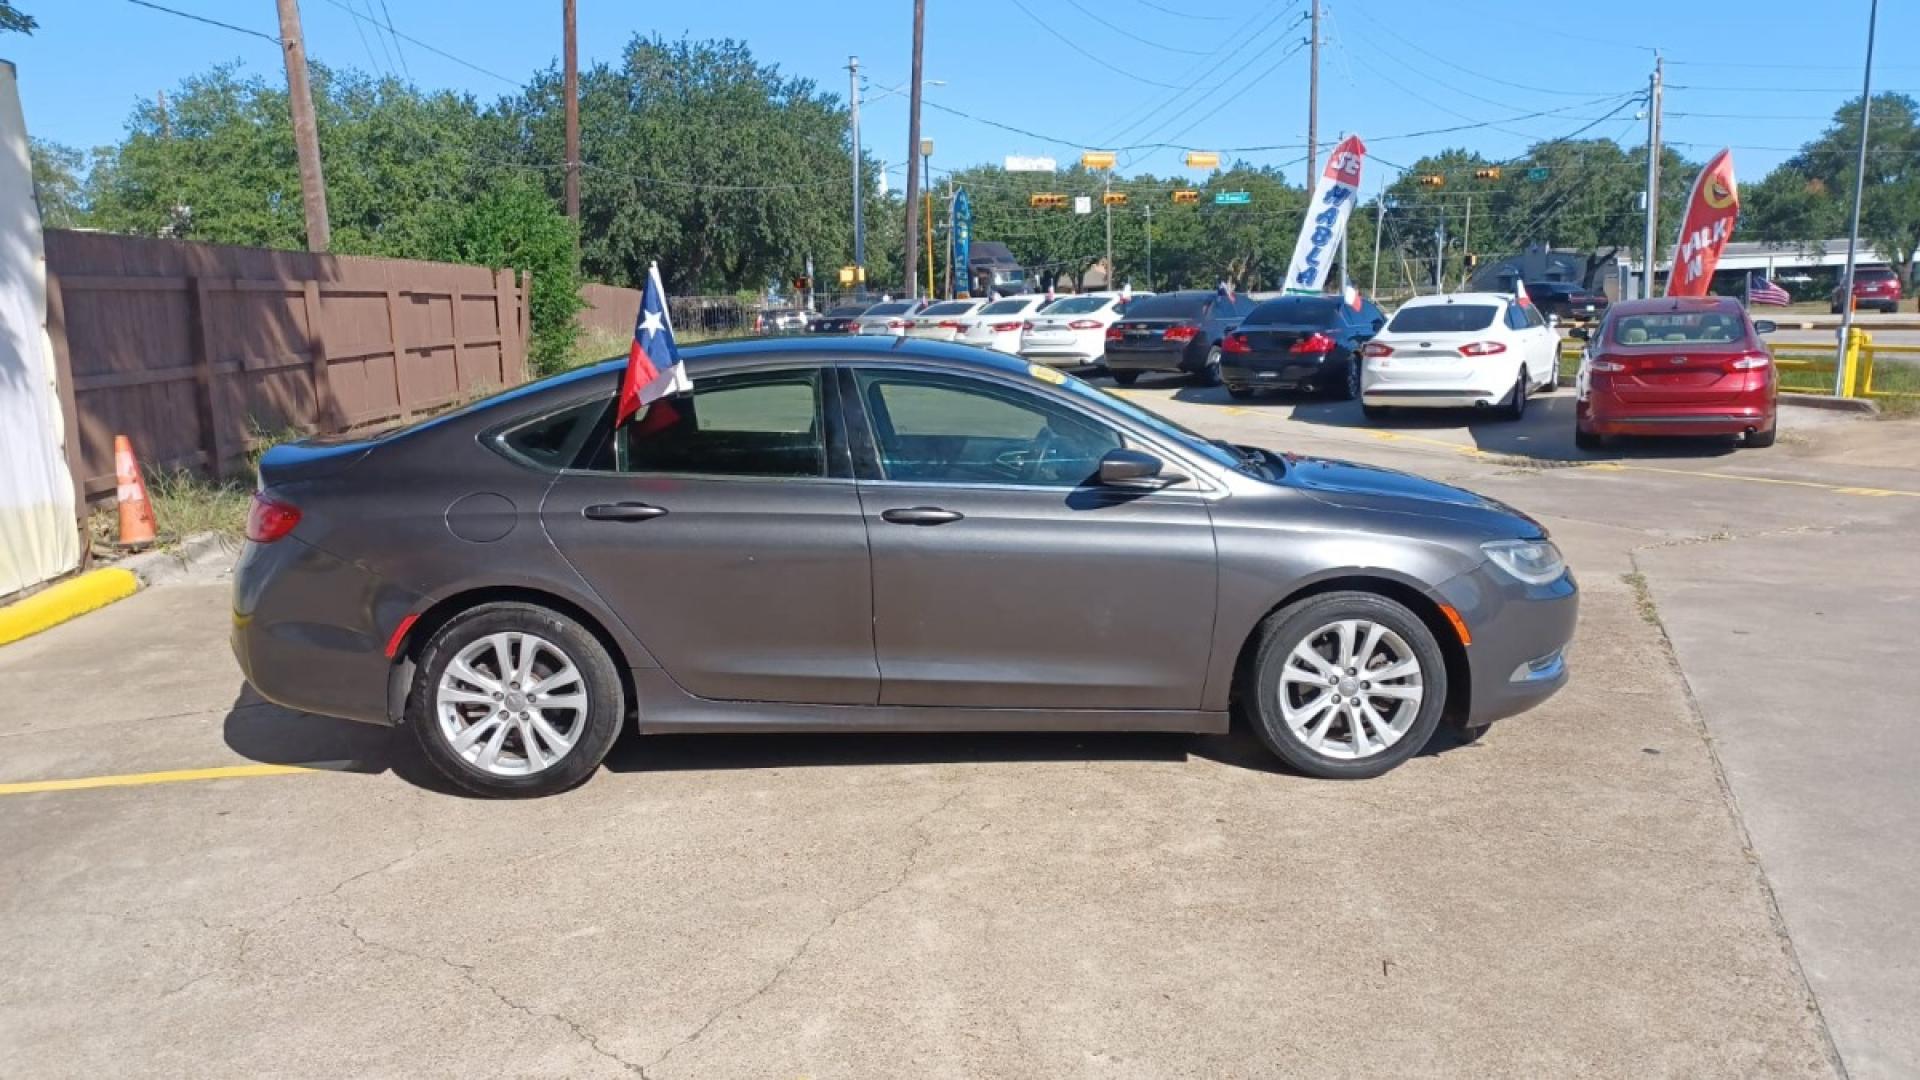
1819,360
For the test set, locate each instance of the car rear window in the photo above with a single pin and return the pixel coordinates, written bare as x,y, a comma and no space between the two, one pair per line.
1075,305
1442,318
895,307
951,307
1296,311
846,311
1676,327
1169,306
1005,307
1878,273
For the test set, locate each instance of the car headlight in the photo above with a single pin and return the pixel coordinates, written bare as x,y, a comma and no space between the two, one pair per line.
1536,562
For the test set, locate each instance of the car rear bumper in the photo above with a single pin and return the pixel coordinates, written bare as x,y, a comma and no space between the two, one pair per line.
1454,397
1150,360
1520,632
1241,373
1604,414
310,631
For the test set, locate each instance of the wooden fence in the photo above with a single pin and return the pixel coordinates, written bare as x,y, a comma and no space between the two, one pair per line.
193,349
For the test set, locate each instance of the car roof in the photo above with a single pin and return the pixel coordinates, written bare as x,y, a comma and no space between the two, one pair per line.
1459,297
1664,304
827,350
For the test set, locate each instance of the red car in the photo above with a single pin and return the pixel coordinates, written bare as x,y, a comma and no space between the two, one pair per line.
1677,366
1874,288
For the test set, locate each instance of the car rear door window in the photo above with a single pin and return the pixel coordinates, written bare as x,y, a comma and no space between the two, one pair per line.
765,423
556,440
931,428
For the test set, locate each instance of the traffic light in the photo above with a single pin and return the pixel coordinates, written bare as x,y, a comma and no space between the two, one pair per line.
1472,260
1492,173
1046,200
802,284
1433,180
1186,196
1114,198
1097,159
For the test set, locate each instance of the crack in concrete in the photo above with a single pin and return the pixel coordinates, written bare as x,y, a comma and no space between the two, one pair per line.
470,973
918,826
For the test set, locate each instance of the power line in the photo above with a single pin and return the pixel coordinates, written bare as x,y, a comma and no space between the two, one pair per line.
1480,75
1245,40
372,60
393,70
402,53
442,53
1183,14
209,22
1122,31
1076,47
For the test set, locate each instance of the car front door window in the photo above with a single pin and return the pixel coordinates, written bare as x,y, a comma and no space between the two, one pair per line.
931,428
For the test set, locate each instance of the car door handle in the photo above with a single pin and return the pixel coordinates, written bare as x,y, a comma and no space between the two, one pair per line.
623,511
920,515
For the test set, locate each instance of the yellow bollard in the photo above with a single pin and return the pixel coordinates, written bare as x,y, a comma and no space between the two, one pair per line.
1850,362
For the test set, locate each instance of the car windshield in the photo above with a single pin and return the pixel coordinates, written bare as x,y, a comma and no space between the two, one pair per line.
1192,440
951,307
846,311
1075,305
1005,307
894,308
1442,318
1295,311
1169,306
1665,327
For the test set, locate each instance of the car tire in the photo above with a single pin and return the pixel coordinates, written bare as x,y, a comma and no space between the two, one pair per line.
1516,408
1760,440
588,728
1552,382
1240,393
1375,412
1587,440
1348,388
1209,373
1125,378
1281,700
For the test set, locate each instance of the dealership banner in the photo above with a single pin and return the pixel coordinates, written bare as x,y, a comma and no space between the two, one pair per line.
959,261
1711,211
1327,214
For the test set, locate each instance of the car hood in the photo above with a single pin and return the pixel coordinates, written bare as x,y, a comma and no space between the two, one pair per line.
1369,487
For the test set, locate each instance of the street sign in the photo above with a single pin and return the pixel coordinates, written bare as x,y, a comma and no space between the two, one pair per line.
1202,159
1083,204
1232,198
1186,196
1114,198
1097,159
1538,175
1016,163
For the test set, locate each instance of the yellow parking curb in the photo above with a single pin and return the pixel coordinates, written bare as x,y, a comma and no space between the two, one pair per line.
53,606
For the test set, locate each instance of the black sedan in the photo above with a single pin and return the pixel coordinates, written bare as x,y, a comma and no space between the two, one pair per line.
1565,300
839,320
1300,343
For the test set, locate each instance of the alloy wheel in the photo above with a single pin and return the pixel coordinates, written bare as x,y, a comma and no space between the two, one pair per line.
511,704
1351,689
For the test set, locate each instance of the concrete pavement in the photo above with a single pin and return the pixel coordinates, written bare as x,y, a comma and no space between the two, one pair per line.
1574,894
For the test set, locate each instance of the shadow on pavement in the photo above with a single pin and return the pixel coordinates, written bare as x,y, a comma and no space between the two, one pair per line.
261,731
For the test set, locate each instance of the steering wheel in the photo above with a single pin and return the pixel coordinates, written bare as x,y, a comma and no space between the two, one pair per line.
1043,445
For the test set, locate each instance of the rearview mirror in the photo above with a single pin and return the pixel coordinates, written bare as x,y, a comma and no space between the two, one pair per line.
1135,469
1578,333
1764,326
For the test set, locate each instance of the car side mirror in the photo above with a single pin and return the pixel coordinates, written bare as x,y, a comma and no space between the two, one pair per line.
1764,326
1578,333
1136,470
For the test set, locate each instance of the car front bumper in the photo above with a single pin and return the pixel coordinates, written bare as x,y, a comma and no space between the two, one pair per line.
1520,633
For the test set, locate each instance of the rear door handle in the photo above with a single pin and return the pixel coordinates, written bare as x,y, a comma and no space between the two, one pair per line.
920,515
623,511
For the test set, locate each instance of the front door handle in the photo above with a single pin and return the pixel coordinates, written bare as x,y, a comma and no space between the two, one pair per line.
920,515
623,511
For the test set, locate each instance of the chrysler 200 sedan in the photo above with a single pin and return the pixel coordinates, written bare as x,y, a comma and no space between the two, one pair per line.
845,535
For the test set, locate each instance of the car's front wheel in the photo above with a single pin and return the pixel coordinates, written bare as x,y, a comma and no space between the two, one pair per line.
1345,685
515,700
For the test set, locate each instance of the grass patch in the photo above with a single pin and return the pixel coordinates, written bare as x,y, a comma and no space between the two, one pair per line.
187,504
1642,597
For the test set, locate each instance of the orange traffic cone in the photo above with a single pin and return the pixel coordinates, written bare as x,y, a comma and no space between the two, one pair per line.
136,513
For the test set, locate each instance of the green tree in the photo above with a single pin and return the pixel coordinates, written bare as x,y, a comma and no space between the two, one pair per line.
1809,197
514,225
58,185
13,20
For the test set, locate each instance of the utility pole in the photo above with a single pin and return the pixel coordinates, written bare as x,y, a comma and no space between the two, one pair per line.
859,220
1149,209
1313,95
1466,239
1653,178
166,126
572,90
912,260
306,134
1379,226
1440,250
947,282
926,194
1853,228
1109,209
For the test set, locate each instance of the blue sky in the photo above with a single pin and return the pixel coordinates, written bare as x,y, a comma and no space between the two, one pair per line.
1760,75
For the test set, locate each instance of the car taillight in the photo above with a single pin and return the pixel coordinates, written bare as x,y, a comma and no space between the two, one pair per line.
1002,327
1236,343
899,324
1751,361
949,324
1313,343
1084,324
269,519
1483,348
1602,365
1114,334
1374,348
1181,333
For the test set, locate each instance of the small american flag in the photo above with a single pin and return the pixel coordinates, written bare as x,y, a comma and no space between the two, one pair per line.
1762,291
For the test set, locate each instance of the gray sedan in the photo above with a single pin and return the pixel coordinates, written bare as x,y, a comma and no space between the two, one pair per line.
846,535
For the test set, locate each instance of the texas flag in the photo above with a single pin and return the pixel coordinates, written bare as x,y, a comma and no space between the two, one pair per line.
654,369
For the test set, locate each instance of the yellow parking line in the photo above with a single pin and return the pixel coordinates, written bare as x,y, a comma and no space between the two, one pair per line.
176,776
1836,489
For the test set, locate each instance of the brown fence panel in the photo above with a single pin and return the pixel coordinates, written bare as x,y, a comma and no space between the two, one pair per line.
193,350
610,309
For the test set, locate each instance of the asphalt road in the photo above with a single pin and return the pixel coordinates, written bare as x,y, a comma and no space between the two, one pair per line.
1584,891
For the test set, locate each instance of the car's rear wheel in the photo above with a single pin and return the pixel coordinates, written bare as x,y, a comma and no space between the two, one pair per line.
1517,401
1240,393
1761,439
1587,440
1209,373
515,700
1346,685
1348,387
1375,412
1125,378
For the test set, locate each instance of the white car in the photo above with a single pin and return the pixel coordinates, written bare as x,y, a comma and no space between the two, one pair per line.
891,317
1072,331
943,321
997,326
1461,350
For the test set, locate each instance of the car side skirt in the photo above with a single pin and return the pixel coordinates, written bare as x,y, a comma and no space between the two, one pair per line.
667,709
